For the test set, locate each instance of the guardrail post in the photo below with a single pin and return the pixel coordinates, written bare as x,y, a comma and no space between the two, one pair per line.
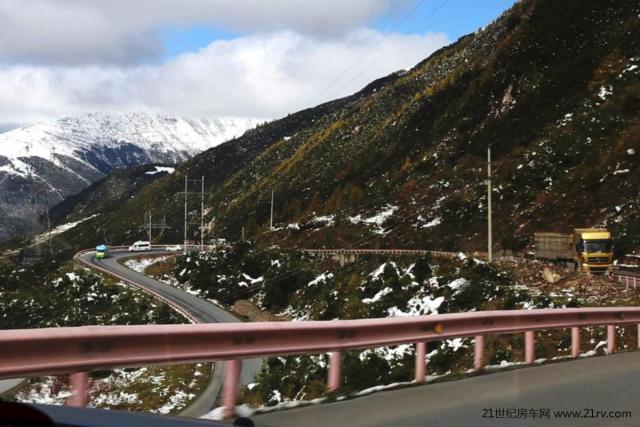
421,366
611,339
529,347
478,355
575,342
79,384
230,390
335,371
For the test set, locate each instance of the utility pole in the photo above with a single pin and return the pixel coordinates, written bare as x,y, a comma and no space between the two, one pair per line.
489,222
271,221
186,178
243,232
150,226
202,214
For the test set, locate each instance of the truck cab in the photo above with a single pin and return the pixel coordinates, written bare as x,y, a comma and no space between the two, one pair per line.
593,249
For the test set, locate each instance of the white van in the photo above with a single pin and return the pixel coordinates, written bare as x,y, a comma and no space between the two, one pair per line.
140,246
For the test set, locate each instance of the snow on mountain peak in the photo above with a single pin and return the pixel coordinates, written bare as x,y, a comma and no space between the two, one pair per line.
149,132
62,157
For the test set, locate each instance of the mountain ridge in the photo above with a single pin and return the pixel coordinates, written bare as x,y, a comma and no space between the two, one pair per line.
554,89
57,159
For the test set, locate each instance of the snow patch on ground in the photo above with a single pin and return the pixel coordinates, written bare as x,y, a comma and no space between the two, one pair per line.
457,283
61,229
324,220
620,171
385,387
161,169
321,279
433,223
390,354
418,306
140,265
378,296
604,92
378,271
252,280
178,399
377,220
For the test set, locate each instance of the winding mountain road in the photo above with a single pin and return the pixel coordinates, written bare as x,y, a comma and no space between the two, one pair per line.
196,309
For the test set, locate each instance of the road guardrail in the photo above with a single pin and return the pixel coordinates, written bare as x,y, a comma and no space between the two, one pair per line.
78,350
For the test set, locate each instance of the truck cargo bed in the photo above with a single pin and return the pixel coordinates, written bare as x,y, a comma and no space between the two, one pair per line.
553,246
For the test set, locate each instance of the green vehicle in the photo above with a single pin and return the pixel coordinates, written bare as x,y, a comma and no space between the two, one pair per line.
102,251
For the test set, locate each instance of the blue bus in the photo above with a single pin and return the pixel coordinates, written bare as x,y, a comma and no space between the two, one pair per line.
102,251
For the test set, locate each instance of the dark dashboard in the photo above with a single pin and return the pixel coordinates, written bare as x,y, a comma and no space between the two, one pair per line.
26,415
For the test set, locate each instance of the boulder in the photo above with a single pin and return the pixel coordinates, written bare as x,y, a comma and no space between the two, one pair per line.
550,276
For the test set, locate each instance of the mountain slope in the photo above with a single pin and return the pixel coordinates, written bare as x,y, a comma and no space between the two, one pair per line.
107,193
216,165
61,158
552,87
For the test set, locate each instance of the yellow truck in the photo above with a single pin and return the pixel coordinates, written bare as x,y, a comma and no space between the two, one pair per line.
590,249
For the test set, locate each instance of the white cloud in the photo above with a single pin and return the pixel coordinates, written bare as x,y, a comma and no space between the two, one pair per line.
265,75
127,31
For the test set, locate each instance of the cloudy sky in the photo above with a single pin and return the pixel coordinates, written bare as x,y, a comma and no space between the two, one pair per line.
212,58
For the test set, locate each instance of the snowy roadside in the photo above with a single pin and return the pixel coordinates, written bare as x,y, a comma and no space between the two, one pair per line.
245,410
60,229
141,264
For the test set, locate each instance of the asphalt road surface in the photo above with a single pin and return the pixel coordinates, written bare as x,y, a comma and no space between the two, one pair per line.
9,384
201,310
608,383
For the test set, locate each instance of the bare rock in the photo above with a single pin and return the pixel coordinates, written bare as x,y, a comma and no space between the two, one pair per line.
550,276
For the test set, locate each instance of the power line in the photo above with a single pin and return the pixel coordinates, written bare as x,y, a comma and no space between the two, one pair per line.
395,44
342,74
422,21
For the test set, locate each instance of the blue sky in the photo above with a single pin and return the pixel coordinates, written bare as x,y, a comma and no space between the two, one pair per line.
454,18
179,40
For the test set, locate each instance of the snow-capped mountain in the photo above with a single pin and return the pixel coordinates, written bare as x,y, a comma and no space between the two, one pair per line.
61,158
103,142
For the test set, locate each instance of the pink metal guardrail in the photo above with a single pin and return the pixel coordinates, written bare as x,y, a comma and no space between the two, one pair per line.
628,278
82,349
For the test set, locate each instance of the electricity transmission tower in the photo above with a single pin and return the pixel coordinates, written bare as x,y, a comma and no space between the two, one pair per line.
150,225
186,193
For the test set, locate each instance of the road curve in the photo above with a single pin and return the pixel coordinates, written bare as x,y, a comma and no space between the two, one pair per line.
608,383
197,309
